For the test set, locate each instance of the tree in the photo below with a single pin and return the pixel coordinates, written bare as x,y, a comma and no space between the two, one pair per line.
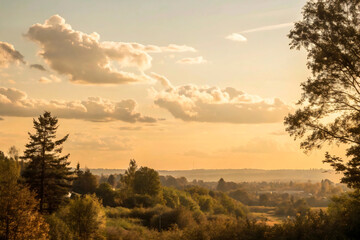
84,216
107,195
111,180
147,181
344,211
47,173
127,179
85,183
221,186
329,109
19,218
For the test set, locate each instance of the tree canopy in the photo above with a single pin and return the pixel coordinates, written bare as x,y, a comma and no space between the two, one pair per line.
19,216
329,109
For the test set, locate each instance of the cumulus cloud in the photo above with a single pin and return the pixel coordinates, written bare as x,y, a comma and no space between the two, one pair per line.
213,104
87,60
52,78
236,37
14,102
38,67
194,60
83,57
9,55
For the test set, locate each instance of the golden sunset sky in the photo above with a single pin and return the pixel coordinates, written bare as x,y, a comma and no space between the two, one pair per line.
173,84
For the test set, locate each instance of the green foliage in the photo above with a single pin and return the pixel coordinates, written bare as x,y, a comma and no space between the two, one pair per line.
19,218
291,208
179,217
47,173
84,216
127,179
59,230
329,107
85,183
108,196
171,197
111,180
345,211
146,181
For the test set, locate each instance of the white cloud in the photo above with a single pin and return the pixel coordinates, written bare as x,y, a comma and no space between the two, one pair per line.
83,57
239,37
86,60
9,55
236,37
268,28
14,102
194,60
213,104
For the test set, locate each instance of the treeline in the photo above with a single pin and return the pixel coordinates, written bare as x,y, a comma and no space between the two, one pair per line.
192,213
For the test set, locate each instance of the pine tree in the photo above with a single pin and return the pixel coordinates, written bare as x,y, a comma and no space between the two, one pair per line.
47,173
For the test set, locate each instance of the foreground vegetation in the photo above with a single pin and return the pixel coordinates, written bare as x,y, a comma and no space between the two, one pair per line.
115,207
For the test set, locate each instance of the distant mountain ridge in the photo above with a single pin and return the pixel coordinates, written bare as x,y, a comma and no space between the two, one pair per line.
243,175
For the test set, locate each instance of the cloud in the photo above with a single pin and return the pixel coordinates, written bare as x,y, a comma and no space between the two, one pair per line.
9,55
268,28
239,37
38,67
170,48
83,57
14,102
50,79
236,37
194,60
87,60
162,79
213,104
178,48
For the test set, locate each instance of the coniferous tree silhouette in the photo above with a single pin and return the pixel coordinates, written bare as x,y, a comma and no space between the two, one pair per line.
47,173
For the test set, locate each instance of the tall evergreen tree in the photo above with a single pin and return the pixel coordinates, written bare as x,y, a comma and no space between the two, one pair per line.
47,173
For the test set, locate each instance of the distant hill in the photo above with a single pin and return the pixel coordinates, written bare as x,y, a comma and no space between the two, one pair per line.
243,175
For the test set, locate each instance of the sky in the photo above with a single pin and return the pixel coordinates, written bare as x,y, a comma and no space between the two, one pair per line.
171,84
